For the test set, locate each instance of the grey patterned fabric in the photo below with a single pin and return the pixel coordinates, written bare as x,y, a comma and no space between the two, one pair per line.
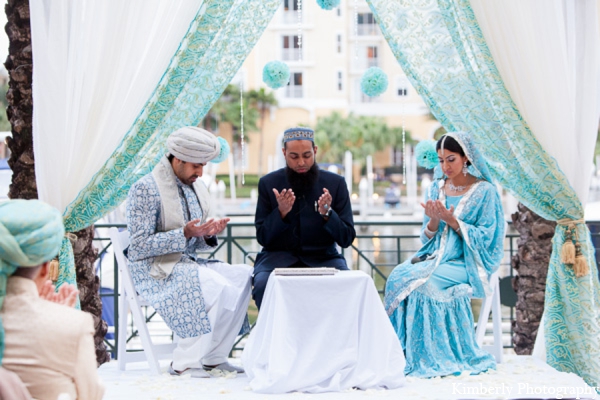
177,298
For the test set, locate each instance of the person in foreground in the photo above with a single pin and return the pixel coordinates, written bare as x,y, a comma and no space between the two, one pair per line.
203,301
49,346
11,387
301,213
428,298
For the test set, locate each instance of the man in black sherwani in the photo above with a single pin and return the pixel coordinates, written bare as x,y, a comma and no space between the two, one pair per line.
302,212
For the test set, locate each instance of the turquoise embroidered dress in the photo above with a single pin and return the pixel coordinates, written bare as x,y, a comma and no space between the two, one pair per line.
429,302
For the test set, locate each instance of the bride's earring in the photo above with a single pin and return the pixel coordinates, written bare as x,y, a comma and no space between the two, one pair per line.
465,169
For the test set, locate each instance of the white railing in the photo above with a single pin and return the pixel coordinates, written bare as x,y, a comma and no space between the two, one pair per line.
361,64
291,17
294,92
294,54
367,30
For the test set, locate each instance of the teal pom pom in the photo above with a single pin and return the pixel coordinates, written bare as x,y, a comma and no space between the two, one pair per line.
224,153
426,155
328,4
374,82
276,74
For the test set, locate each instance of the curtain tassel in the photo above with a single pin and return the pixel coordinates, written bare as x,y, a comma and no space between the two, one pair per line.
567,255
580,267
571,253
53,275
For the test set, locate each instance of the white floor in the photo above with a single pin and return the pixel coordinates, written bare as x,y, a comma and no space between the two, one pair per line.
516,377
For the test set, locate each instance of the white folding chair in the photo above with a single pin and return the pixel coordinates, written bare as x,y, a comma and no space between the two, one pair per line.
491,304
130,300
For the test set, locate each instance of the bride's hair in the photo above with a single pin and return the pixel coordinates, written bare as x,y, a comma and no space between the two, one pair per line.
452,145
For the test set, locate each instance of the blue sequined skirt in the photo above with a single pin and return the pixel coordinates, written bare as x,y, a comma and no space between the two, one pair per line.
436,330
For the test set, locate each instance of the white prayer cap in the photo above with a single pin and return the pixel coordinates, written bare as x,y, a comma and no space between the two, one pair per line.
193,144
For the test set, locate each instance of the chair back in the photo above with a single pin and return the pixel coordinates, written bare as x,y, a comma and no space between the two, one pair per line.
120,241
129,300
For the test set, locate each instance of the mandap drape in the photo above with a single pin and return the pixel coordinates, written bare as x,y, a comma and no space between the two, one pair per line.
112,79
533,135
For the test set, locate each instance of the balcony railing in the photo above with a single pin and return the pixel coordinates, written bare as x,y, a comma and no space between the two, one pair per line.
367,30
378,248
294,92
291,17
360,64
294,54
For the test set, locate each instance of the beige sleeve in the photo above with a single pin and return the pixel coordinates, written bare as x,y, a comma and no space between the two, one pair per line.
87,382
11,387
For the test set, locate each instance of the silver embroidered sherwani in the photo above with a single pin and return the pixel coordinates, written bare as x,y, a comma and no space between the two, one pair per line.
203,301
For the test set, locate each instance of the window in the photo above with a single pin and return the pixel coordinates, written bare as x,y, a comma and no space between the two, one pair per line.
290,11
291,50
294,89
372,59
340,81
290,5
367,26
338,43
368,56
338,10
402,86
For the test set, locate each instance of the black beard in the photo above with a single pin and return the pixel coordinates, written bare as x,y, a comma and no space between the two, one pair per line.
304,182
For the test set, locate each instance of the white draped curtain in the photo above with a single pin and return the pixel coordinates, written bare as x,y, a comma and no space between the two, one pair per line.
98,62
112,79
548,54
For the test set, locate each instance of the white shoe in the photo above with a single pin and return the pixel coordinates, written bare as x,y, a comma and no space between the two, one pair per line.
226,366
194,372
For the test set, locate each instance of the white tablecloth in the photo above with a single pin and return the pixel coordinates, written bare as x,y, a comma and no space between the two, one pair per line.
322,333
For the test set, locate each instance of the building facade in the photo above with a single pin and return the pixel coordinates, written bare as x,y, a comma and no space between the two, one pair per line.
327,53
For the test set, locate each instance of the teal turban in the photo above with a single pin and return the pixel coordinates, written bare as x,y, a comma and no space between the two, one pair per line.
31,233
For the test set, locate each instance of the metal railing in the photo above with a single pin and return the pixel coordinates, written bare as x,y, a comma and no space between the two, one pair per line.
363,63
376,252
291,54
294,91
367,29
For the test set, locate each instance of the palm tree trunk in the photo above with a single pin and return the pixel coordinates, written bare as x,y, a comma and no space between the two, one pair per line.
531,263
89,288
20,103
19,65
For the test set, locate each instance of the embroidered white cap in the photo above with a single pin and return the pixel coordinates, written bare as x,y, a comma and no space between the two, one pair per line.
193,144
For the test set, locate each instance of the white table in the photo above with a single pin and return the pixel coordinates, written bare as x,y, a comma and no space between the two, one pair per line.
322,333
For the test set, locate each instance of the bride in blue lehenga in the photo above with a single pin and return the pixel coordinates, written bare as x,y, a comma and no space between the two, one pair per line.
428,298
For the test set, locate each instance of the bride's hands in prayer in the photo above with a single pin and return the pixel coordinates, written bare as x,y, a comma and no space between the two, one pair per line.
437,211
432,212
443,213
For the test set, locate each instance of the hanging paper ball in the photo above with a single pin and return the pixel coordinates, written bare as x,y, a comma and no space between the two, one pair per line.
426,155
374,82
328,4
276,74
224,153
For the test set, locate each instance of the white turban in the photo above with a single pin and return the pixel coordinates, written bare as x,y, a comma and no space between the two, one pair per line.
193,144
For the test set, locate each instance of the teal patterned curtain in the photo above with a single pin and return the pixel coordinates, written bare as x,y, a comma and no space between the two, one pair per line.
217,42
441,49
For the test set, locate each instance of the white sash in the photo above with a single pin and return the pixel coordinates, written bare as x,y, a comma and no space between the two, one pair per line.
172,213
